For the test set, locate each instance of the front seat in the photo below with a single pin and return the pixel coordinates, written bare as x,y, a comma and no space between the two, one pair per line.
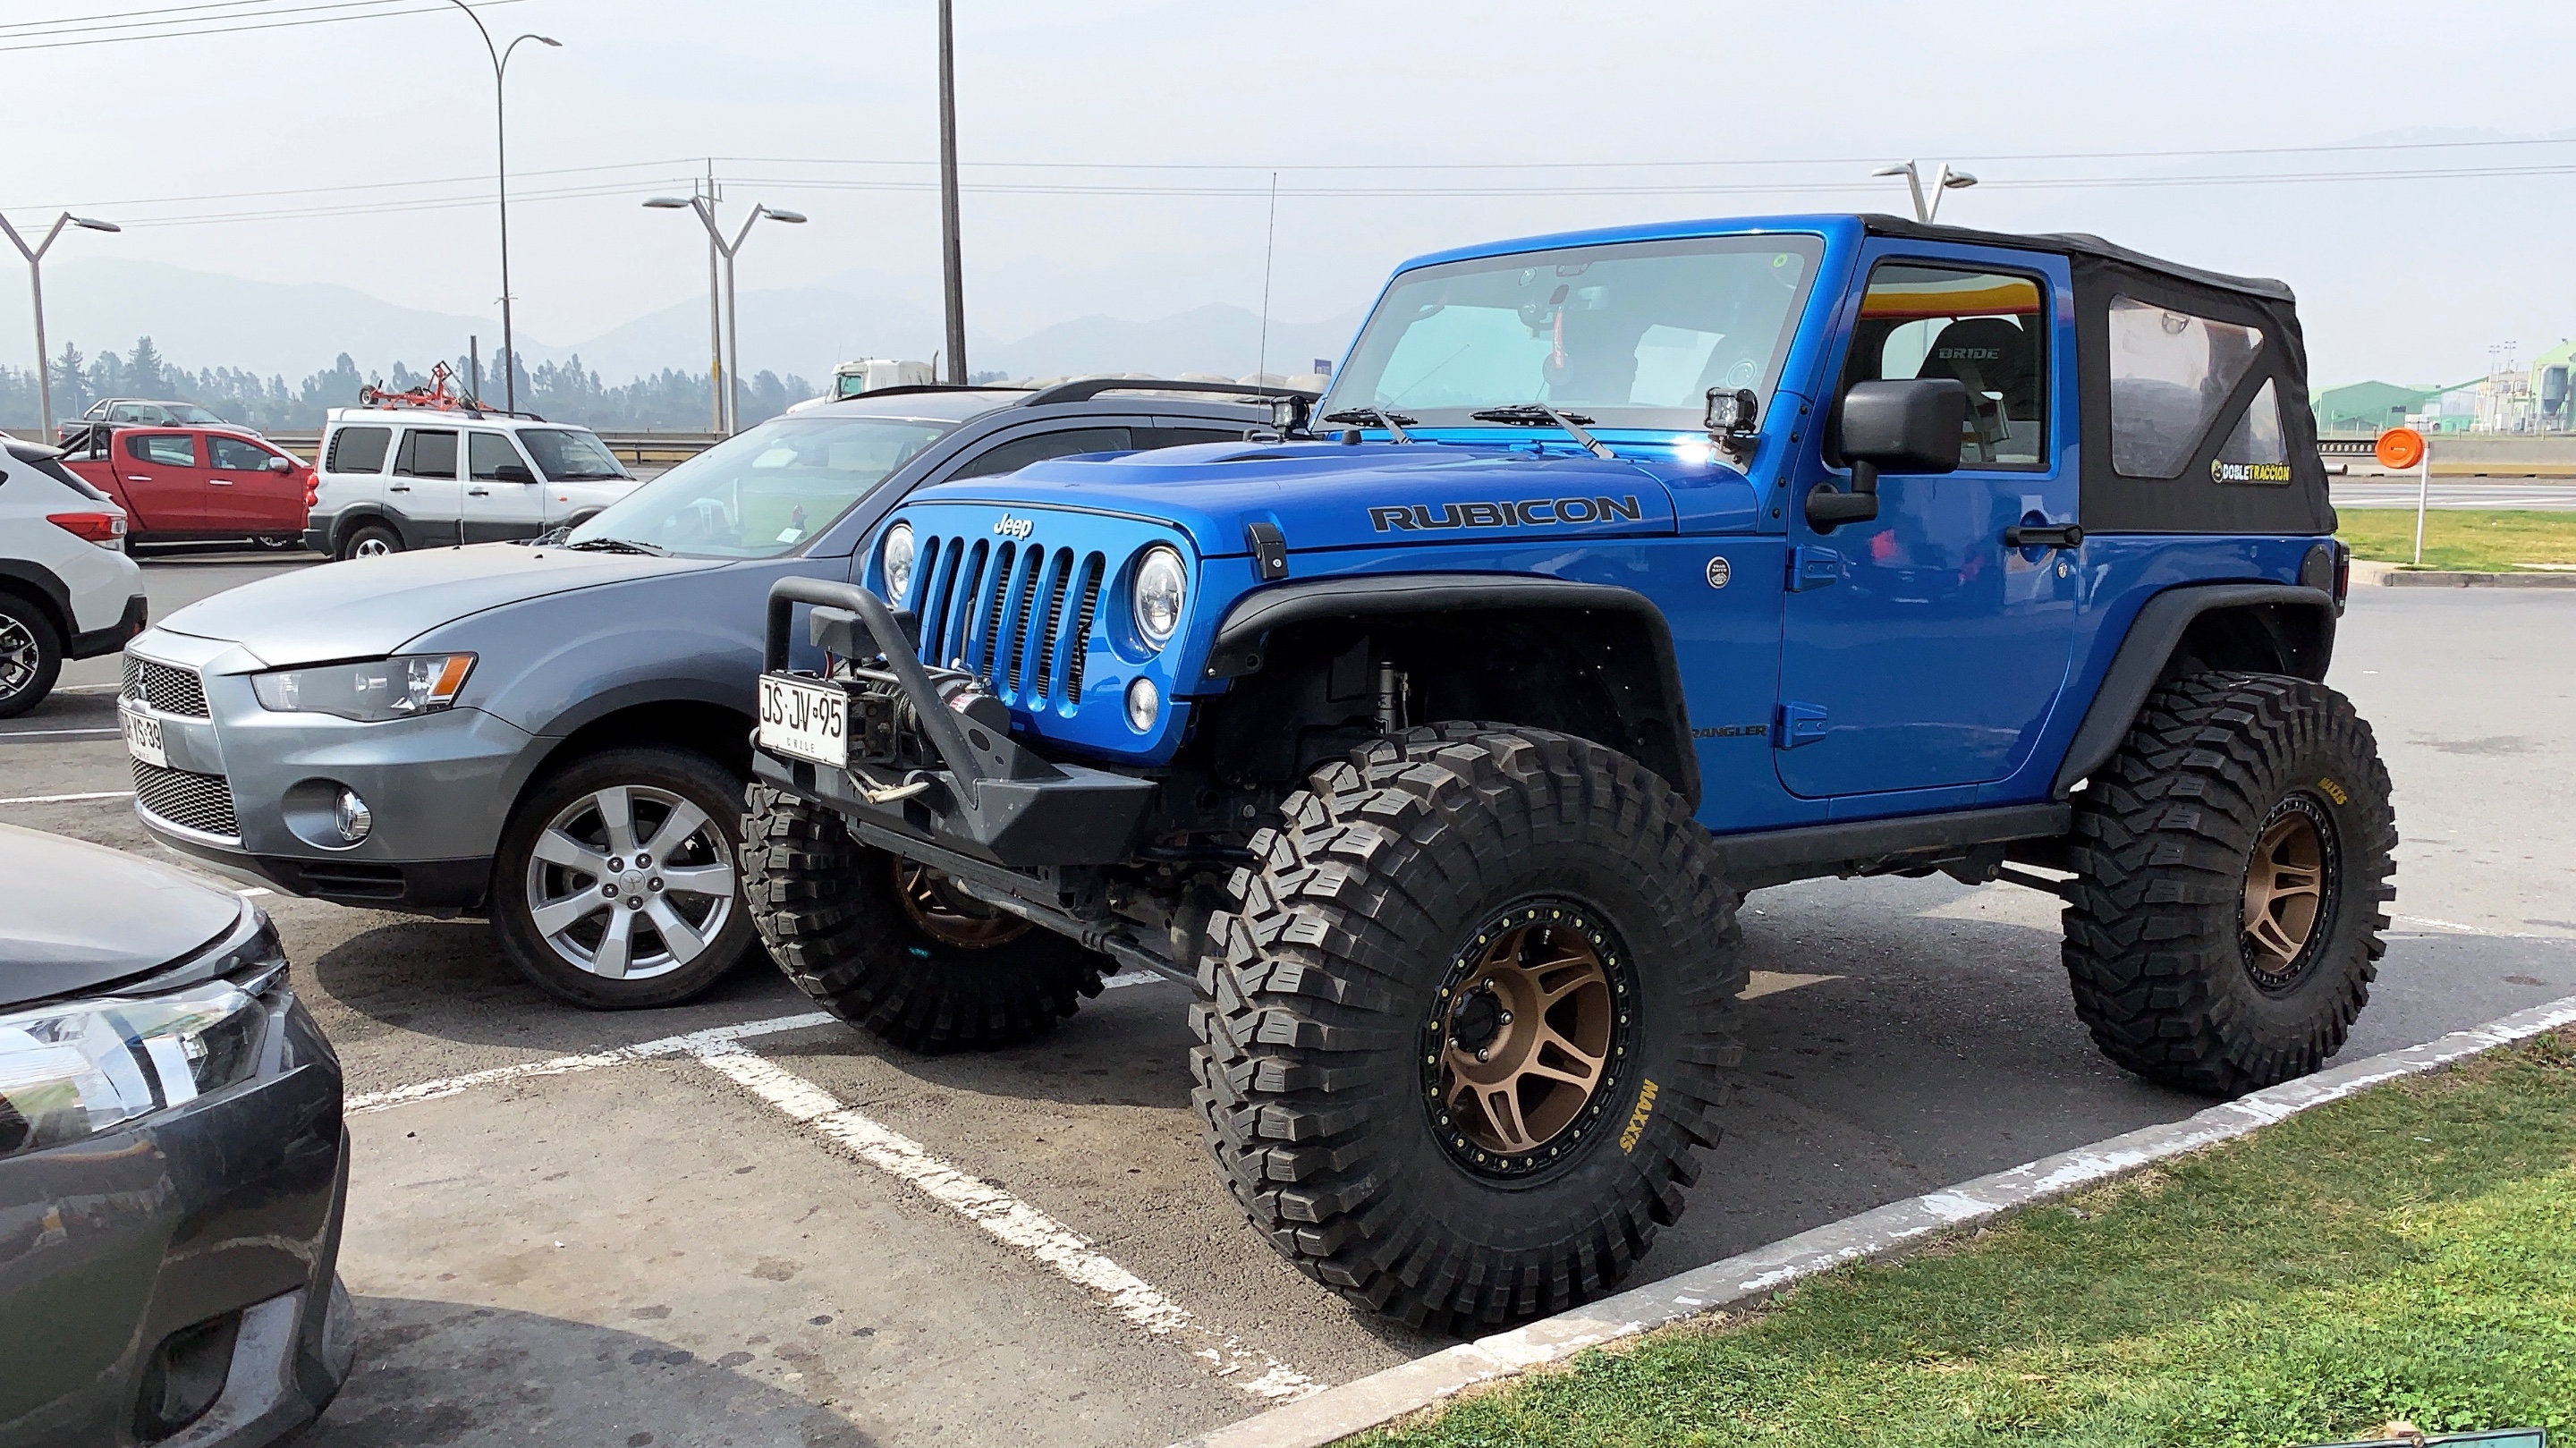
1993,355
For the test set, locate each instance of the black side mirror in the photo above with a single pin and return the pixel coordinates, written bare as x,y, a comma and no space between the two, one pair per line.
1907,426
518,473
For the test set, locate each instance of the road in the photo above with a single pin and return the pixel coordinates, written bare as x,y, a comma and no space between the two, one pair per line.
798,1236
2452,493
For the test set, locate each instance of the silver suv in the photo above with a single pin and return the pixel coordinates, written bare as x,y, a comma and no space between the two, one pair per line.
556,735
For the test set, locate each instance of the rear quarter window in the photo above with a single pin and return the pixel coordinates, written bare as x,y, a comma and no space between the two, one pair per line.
358,450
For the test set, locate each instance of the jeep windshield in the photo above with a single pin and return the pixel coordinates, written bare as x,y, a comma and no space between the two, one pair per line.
764,492
1630,334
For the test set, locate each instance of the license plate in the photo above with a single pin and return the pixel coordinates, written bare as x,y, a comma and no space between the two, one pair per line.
808,721
143,738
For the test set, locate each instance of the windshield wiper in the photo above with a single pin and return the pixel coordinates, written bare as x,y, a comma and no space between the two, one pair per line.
1395,423
619,545
1539,414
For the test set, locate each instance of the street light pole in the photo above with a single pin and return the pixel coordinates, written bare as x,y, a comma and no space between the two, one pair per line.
501,151
35,256
731,363
1928,206
952,262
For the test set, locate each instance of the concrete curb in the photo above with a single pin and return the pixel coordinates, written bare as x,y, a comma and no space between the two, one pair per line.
1357,1406
2431,578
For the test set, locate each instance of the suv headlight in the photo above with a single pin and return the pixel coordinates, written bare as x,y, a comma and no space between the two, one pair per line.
896,559
78,1069
1162,587
396,688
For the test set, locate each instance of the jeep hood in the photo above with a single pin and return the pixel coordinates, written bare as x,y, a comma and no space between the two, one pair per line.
370,607
1327,495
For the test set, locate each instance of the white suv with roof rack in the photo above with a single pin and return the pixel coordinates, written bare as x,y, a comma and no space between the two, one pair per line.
397,478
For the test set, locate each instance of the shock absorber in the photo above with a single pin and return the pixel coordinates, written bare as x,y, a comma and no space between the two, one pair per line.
1390,697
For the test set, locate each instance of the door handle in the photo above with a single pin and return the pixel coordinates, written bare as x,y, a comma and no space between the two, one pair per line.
219,482
138,477
397,487
478,492
2051,535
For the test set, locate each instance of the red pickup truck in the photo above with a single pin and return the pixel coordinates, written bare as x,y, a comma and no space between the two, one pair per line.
185,483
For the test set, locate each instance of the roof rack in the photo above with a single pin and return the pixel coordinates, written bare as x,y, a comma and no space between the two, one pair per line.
919,387
1083,389
435,398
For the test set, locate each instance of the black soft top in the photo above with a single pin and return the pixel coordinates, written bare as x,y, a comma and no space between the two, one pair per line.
2079,243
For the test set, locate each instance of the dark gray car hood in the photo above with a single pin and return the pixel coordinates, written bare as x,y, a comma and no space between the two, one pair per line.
370,607
75,915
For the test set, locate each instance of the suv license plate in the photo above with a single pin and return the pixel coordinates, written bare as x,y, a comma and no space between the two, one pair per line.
808,721
143,738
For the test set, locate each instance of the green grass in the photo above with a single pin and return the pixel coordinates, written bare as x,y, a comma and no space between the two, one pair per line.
2409,1253
2476,542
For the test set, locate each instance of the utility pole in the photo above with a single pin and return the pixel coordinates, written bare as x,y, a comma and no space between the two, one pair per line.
35,256
715,314
952,263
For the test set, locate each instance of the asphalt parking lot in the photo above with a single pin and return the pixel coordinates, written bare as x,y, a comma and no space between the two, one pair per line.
727,1223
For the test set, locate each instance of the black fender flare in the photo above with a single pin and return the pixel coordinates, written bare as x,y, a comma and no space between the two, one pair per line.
2149,645
39,583
358,515
1240,636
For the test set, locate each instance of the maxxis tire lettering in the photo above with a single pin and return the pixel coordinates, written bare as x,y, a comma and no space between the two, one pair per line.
1306,1079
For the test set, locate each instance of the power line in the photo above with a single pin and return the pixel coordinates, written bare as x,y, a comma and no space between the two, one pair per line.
236,29
37,29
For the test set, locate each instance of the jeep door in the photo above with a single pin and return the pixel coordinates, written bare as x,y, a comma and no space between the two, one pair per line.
503,499
424,488
1918,651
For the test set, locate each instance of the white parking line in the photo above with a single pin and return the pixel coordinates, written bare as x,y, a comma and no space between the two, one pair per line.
591,1061
1012,1221
52,733
69,798
2457,928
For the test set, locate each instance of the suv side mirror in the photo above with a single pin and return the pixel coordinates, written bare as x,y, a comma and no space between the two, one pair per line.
1905,426
518,472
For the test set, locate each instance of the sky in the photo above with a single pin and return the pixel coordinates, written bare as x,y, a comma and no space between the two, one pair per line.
1120,153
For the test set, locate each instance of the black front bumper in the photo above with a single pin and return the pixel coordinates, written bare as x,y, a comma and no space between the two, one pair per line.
994,801
214,1223
442,888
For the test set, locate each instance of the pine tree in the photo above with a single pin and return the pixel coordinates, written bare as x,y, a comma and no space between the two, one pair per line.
143,370
71,382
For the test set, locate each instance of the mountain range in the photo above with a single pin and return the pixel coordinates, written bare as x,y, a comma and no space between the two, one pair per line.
203,319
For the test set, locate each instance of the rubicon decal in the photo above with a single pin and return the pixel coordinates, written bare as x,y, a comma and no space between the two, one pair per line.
1538,513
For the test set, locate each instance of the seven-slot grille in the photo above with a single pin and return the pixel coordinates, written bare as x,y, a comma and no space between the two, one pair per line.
167,690
1019,616
200,802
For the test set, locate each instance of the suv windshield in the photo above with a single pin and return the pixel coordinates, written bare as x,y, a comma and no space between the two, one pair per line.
766,491
1631,334
565,455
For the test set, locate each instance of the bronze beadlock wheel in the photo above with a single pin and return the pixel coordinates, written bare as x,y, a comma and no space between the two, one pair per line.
1524,1039
2289,883
950,915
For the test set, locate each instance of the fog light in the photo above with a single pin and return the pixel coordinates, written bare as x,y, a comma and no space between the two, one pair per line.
353,817
1144,705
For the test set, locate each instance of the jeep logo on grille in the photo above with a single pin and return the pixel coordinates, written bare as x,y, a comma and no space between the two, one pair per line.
1010,527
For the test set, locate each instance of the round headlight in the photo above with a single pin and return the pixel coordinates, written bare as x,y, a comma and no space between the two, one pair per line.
897,559
1162,586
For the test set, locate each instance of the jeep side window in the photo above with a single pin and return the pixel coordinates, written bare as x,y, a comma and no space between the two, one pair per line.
1988,330
426,455
1019,452
358,450
2257,438
2170,373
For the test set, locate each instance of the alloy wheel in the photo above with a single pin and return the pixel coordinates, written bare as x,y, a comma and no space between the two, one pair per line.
19,657
630,882
1527,1031
2288,889
370,548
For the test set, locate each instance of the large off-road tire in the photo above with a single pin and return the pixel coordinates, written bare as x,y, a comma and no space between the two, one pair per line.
615,884
2232,862
1411,895
891,948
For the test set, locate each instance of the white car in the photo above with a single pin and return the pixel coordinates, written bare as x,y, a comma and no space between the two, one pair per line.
67,589
396,478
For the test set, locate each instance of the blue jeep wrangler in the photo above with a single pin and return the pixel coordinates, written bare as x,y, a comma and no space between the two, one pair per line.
1654,566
